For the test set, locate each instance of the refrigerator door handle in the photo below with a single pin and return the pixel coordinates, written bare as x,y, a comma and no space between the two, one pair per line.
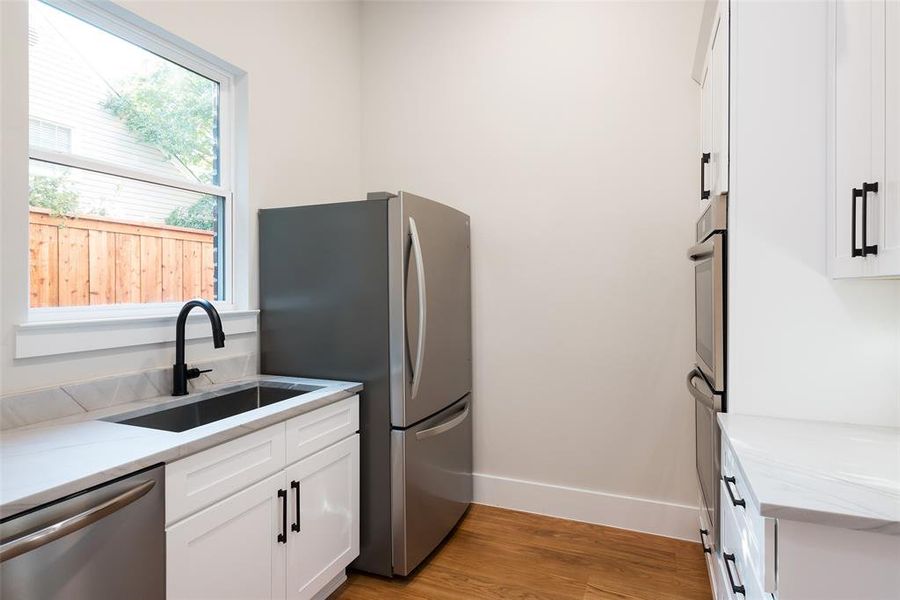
420,277
445,426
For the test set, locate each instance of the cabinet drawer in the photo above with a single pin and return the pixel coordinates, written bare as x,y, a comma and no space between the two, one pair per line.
740,576
755,533
200,480
309,433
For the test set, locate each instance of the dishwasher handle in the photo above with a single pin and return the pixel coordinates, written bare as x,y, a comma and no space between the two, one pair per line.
51,533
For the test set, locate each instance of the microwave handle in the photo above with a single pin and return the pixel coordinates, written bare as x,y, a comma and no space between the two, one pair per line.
701,251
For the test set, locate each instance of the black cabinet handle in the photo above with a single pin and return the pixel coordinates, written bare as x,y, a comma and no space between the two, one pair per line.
729,481
295,485
706,549
866,189
282,537
729,560
704,160
856,194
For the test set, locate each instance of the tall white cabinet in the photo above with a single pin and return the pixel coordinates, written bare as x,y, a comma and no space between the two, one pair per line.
712,75
864,138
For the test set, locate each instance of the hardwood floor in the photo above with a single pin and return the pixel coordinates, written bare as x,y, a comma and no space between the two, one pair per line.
502,554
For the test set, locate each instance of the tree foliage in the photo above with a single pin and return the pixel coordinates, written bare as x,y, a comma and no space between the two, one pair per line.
173,110
199,215
53,193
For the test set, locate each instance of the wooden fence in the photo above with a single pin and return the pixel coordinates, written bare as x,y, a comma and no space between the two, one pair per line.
97,260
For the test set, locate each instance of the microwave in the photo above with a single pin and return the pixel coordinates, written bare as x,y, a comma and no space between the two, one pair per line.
710,272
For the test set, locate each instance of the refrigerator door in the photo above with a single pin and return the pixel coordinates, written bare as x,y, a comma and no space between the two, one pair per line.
434,349
431,481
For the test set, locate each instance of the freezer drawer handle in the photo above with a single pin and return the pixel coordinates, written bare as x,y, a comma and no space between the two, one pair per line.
445,426
730,481
63,528
730,560
420,277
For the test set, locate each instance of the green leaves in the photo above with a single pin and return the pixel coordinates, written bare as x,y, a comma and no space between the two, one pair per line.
199,215
53,193
175,111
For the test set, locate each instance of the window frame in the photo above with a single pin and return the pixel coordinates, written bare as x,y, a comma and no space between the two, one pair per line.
120,23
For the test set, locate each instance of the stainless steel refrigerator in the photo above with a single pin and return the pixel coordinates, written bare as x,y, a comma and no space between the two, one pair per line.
379,291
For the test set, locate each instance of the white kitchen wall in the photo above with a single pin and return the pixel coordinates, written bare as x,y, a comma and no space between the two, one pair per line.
801,345
569,132
304,145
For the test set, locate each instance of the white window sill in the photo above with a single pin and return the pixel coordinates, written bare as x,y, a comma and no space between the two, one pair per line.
49,338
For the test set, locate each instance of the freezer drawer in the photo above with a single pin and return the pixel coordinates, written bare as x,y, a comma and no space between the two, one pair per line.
432,482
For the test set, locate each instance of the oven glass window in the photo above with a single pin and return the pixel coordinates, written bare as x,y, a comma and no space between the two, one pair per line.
705,317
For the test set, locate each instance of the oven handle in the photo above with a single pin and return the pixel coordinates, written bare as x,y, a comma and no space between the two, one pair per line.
701,251
710,399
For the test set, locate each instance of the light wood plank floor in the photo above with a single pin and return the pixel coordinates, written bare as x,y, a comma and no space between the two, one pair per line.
502,554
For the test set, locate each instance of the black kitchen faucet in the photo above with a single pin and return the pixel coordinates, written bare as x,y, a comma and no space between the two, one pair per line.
180,372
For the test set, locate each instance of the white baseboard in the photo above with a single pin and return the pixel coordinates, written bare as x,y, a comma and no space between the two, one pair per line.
625,512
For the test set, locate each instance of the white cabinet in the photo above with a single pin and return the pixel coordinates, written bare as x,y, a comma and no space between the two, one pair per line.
237,530
230,549
776,559
714,109
324,532
864,139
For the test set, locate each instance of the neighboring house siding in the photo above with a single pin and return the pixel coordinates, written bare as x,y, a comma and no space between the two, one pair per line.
68,93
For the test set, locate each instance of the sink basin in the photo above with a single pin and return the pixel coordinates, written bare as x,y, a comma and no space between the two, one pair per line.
210,410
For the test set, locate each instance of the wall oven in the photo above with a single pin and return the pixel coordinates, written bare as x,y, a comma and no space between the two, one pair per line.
706,381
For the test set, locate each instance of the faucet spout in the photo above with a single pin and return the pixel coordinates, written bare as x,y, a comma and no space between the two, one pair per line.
180,372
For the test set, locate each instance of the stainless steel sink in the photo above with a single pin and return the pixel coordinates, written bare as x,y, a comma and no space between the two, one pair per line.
210,409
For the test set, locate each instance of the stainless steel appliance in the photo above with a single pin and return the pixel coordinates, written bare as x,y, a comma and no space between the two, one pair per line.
706,381
105,543
378,291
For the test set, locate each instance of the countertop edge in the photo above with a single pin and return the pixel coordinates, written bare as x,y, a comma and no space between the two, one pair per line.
10,507
815,516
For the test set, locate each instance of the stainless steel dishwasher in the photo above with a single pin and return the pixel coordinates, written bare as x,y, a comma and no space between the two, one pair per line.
104,543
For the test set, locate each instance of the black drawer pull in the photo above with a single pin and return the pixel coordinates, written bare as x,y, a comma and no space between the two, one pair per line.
855,195
867,188
706,549
295,485
704,160
729,560
282,537
730,481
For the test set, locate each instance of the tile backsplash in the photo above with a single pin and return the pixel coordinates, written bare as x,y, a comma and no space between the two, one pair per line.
28,408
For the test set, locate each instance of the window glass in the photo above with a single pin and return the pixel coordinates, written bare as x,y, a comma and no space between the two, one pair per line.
125,199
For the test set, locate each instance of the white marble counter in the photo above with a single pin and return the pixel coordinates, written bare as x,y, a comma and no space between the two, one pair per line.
44,462
833,474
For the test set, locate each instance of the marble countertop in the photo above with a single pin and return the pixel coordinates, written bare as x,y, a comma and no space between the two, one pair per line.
41,463
833,474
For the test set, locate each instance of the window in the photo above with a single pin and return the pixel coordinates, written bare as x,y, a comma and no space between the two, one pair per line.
129,179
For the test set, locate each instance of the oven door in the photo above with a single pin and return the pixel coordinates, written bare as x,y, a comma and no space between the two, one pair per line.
706,406
709,307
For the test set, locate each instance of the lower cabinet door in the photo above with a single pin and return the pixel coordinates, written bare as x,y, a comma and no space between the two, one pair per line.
323,535
231,550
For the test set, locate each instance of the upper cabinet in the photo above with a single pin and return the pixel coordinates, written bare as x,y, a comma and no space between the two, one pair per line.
712,74
864,138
